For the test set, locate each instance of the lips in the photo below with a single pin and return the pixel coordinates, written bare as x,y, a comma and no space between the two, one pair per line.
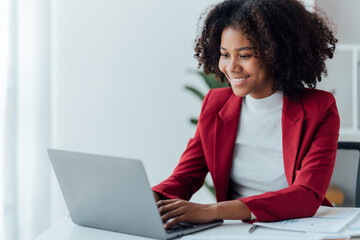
239,79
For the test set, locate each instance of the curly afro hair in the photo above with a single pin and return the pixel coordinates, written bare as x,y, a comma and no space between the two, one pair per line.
290,41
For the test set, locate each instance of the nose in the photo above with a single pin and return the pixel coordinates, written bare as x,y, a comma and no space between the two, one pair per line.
234,66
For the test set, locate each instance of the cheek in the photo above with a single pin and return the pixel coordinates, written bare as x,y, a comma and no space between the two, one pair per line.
222,67
262,75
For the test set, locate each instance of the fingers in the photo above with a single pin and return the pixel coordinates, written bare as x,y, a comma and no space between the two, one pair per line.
177,211
173,222
170,209
168,205
167,201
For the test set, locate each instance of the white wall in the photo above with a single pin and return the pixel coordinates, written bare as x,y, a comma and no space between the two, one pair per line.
119,71
345,15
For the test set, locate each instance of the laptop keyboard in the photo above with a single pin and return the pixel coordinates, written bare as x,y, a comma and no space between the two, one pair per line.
180,227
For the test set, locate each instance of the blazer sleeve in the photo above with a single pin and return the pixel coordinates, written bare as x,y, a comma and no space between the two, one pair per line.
312,175
190,173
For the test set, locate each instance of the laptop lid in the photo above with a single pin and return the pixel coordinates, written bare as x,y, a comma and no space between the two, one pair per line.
111,193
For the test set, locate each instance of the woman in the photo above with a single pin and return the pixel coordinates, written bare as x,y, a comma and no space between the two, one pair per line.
268,142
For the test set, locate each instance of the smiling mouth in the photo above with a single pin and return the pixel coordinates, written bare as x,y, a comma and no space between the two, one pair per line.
240,79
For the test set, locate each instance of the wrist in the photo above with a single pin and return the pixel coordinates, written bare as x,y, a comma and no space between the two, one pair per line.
215,212
232,210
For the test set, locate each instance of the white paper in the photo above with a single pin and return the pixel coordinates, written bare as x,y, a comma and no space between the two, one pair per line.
326,219
353,229
350,230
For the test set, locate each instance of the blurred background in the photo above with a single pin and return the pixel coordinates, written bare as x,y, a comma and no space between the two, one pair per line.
108,77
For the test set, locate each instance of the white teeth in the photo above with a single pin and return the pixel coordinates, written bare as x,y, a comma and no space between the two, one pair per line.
239,79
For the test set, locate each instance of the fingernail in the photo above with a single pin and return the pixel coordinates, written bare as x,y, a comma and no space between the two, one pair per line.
165,226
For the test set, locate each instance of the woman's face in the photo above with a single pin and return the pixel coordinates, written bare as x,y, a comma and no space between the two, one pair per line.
241,68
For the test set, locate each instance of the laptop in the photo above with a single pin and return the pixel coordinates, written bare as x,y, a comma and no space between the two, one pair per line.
112,193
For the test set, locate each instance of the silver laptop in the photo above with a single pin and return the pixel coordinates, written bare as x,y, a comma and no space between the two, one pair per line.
112,193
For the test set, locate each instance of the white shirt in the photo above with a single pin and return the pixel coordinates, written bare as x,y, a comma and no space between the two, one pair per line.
258,164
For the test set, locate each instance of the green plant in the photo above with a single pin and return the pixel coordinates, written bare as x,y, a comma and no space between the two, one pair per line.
211,82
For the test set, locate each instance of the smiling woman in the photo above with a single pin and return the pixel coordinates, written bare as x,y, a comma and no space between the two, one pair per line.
242,68
270,140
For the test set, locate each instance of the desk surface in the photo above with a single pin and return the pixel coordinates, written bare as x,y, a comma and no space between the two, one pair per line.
65,229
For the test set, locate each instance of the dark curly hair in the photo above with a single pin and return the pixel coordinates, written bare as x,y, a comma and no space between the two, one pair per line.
290,41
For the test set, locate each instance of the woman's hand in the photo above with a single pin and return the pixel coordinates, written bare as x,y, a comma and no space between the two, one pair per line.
184,211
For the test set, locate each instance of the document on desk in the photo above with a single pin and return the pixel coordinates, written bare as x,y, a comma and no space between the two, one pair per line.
326,219
353,228
350,230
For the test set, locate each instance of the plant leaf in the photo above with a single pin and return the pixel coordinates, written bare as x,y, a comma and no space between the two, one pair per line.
194,121
211,81
210,188
196,92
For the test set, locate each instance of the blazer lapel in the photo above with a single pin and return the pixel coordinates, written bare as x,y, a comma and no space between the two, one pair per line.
226,125
292,123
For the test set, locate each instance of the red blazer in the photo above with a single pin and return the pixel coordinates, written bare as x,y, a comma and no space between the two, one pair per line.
310,130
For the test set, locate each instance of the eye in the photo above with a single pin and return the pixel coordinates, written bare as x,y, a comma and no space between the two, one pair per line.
245,56
224,55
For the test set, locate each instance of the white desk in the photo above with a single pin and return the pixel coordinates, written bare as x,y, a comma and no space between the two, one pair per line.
65,229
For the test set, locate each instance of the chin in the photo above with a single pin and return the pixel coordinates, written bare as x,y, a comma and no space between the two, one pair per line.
239,93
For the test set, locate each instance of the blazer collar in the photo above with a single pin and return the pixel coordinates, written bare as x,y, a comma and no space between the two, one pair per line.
293,110
292,124
230,108
226,124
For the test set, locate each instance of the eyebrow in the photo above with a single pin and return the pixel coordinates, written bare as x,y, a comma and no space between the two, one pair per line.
238,49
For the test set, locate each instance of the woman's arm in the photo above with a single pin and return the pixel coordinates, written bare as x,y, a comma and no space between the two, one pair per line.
184,211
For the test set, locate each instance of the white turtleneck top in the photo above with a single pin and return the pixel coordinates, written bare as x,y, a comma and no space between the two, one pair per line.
258,164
